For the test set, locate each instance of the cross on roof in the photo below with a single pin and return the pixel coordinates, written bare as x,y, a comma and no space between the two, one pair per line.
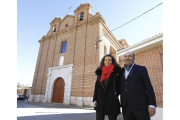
69,9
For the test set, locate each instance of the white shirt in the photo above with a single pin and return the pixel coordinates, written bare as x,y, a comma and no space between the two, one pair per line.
126,73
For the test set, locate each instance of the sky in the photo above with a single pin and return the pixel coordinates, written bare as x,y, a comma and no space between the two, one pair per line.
34,17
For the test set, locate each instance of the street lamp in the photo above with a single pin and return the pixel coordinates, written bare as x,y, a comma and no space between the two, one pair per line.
97,43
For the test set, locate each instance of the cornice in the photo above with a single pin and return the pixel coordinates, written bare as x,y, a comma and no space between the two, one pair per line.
143,45
41,39
60,67
112,37
83,5
124,41
70,28
102,19
44,38
55,19
66,17
160,35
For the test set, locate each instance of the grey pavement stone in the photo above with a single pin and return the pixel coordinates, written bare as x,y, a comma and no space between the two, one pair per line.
72,116
60,105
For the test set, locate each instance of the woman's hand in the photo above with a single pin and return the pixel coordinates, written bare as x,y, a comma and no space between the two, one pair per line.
95,103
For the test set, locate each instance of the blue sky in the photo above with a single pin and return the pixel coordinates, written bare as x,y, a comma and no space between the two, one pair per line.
34,17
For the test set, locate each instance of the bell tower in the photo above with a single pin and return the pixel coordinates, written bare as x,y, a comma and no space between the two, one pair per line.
82,12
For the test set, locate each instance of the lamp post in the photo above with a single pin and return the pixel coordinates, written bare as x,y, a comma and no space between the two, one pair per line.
97,41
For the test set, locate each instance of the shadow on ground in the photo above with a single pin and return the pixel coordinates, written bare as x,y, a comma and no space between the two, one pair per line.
77,116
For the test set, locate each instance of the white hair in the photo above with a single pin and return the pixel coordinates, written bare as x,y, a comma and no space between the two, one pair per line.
131,53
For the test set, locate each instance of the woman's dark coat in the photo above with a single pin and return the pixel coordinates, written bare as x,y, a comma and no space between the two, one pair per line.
107,98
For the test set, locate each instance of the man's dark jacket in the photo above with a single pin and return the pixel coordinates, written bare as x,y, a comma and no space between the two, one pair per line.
107,98
137,90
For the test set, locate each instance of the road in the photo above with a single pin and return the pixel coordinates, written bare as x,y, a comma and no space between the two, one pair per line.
34,112
23,104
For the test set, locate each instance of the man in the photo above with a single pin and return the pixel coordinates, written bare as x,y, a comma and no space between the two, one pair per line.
137,95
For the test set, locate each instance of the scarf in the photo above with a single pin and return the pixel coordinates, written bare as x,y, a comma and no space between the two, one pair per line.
106,72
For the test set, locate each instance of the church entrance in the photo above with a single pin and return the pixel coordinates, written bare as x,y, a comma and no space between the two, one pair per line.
58,92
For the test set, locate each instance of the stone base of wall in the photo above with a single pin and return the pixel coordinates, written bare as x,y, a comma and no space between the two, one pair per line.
36,98
30,99
79,101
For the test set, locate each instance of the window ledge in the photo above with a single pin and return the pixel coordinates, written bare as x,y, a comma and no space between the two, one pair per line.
62,53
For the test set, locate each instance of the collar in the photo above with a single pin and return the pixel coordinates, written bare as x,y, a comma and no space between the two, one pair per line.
130,67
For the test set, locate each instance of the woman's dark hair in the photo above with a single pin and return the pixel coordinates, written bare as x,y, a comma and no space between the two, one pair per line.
113,61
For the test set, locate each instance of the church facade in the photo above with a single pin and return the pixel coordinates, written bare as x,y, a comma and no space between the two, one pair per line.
70,53
68,56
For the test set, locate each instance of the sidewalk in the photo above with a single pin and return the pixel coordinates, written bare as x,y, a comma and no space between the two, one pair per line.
158,116
60,105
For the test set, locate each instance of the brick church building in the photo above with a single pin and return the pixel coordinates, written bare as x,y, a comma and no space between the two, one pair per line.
71,51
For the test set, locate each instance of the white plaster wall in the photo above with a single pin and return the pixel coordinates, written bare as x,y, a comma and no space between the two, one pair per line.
61,60
106,42
63,71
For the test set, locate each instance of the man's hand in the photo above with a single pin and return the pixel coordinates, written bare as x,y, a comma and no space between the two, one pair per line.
95,103
151,111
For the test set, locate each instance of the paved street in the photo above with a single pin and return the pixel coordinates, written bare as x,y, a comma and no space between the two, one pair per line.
23,104
40,111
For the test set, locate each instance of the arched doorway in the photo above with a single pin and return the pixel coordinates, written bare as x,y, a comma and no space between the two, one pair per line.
58,92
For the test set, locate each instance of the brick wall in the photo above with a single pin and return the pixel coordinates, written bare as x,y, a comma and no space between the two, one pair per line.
22,92
91,59
37,69
69,20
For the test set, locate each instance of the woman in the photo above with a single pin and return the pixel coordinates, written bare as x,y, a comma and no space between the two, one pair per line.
106,91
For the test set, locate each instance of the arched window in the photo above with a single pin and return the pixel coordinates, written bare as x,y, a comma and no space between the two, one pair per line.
63,48
81,16
54,28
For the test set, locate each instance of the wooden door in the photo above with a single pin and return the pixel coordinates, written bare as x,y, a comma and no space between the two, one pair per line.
58,92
